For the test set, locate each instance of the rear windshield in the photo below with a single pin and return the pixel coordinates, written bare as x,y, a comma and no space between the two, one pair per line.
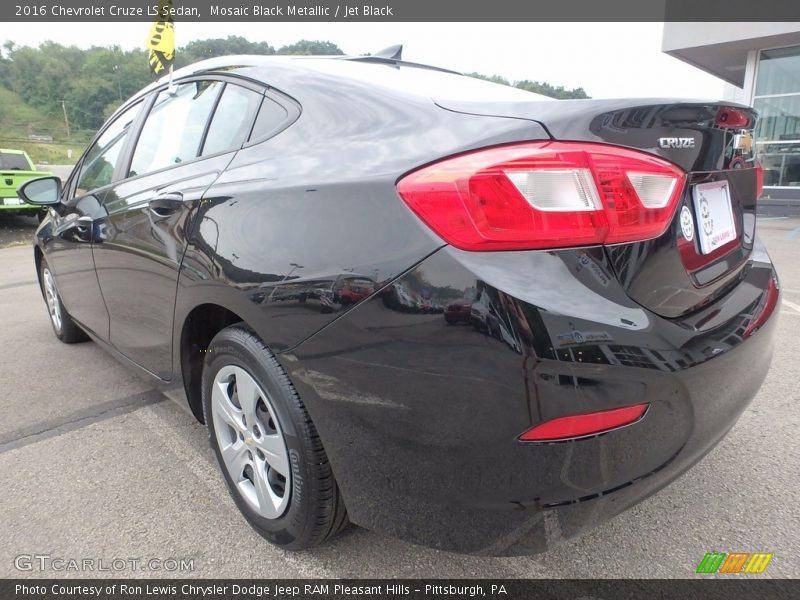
13,162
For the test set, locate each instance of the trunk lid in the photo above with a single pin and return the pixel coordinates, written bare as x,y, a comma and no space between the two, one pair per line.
704,251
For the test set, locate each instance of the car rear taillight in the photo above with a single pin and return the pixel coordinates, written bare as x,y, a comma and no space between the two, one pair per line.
759,180
571,427
732,118
539,195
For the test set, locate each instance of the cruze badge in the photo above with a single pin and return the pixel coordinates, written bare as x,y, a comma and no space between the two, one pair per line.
687,224
676,142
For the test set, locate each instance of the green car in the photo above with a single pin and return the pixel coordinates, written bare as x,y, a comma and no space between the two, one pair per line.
15,169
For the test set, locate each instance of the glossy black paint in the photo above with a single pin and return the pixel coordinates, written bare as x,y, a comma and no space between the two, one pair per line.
669,274
420,417
68,247
636,123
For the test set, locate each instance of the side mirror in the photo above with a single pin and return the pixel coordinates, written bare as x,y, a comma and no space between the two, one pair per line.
43,191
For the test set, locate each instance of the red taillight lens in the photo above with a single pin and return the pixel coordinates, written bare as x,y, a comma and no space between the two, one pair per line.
576,426
545,195
759,180
732,118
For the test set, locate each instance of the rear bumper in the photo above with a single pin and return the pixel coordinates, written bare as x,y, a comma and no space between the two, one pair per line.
18,208
420,420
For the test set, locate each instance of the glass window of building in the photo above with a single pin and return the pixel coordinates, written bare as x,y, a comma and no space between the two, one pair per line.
777,100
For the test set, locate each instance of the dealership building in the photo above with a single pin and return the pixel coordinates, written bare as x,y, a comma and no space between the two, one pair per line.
760,63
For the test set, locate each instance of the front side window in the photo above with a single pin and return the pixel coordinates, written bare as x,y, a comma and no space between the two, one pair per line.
232,120
10,161
174,128
100,161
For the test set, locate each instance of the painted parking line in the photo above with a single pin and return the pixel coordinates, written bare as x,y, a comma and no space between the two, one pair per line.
792,305
790,235
55,427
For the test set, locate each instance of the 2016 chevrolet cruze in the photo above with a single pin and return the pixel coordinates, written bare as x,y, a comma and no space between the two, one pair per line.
437,307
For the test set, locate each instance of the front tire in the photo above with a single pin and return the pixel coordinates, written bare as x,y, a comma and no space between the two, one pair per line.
266,445
64,327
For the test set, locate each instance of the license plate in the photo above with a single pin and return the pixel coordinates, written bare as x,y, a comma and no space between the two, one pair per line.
12,201
715,223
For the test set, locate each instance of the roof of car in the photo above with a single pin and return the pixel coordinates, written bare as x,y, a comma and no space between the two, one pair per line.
11,151
392,75
300,62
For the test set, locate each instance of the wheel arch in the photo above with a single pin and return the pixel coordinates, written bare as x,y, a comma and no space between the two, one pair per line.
199,327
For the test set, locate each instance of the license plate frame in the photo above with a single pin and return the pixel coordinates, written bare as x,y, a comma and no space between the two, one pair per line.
716,225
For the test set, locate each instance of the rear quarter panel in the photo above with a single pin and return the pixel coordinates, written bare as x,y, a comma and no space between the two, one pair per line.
295,214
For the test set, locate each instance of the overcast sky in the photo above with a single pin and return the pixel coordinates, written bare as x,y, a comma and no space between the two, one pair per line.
608,60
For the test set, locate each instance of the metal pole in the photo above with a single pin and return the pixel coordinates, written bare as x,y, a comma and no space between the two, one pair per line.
119,82
66,119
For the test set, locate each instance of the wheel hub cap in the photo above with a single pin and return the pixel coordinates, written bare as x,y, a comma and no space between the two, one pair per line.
51,297
251,442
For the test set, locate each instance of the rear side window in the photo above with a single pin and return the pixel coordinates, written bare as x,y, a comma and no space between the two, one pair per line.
174,128
271,116
13,162
232,120
101,159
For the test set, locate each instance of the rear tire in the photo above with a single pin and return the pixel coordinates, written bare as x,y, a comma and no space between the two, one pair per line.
64,327
258,428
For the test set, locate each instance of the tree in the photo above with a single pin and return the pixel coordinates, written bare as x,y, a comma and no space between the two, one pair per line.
493,78
233,44
545,89
311,48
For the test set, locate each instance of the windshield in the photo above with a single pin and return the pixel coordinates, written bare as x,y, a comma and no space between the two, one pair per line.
14,162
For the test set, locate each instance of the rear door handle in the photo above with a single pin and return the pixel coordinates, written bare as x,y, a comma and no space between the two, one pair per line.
166,205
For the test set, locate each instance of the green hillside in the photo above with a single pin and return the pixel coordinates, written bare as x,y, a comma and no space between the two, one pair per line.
18,121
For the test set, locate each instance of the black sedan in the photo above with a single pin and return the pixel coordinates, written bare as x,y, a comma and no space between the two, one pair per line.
205,235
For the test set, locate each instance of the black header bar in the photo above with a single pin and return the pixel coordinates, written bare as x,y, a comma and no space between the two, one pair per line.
732,588
403,10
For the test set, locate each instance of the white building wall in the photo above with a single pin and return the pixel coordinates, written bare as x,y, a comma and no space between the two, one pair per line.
744,94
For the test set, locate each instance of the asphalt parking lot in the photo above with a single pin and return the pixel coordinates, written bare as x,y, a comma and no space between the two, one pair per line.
94,463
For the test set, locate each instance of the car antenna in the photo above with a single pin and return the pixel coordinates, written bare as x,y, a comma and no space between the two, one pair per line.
391,53
394,55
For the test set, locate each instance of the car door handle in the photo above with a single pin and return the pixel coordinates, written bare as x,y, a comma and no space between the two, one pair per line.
166,205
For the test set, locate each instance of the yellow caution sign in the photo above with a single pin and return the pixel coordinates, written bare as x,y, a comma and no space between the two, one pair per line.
161,41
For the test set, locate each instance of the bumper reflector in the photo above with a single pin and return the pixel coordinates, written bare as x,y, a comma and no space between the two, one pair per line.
576,426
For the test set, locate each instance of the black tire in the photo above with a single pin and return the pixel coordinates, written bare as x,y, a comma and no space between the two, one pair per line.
68,331
315,511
